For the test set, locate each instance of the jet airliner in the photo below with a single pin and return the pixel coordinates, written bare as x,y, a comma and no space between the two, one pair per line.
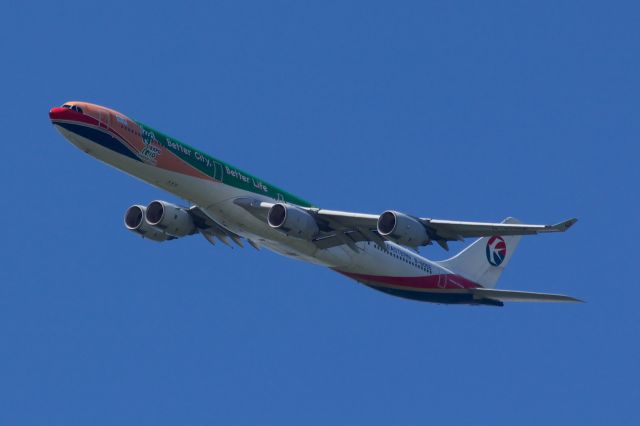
232,206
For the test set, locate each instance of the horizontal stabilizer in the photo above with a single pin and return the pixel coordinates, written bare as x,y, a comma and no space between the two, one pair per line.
520,296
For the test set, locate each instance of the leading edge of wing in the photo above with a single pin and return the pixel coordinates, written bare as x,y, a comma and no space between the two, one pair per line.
521,296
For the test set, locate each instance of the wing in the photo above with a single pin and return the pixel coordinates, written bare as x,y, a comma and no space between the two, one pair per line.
520,296
338,227
454,230
440,231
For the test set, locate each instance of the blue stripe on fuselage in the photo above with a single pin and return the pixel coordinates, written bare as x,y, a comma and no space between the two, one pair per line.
98,136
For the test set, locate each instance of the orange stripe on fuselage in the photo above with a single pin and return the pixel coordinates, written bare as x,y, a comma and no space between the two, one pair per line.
130,134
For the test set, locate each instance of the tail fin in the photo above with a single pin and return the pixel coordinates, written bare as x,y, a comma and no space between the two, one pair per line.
485,259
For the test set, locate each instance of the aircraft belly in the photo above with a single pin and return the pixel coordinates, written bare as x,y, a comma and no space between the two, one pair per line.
372,261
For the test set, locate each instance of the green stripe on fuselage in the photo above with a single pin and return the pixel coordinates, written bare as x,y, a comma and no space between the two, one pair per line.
219,170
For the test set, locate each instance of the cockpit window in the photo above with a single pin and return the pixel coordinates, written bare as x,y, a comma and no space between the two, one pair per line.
73,107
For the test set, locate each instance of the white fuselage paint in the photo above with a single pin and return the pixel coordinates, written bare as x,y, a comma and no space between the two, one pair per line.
216,199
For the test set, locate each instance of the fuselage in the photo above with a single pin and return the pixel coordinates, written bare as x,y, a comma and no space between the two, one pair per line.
213,185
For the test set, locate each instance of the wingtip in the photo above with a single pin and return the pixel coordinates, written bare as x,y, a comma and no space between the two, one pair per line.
563,226
570,299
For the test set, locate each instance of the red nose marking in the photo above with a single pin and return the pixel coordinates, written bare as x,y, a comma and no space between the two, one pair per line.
57,112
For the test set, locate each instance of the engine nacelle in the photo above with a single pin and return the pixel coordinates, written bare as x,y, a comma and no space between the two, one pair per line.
172,219
293,221
402,229
134,221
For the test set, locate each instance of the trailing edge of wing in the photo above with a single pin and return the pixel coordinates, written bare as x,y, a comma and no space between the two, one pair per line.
520,296
209,228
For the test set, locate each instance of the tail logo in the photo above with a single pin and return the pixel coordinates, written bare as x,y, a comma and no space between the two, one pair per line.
496,250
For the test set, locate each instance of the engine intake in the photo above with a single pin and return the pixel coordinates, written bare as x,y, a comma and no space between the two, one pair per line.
402,229
293,221
134,221
172,219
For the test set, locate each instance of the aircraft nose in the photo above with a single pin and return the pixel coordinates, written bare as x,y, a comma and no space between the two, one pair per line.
56,112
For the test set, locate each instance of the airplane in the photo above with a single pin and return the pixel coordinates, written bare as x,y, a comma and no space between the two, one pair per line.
230,205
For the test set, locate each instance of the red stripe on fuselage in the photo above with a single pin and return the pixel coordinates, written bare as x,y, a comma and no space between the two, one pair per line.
66,114
439,282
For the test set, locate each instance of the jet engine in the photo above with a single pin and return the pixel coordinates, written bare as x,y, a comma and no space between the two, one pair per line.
293,221
134,221
172,219
402,229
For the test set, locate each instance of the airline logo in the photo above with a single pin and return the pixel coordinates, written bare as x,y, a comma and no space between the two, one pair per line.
496,250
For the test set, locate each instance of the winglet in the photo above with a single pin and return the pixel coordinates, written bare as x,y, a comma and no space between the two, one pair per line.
563,226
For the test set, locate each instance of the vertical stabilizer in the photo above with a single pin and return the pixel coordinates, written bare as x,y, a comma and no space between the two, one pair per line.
485,259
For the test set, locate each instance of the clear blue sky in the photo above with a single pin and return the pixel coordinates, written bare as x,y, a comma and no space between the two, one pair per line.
471,111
